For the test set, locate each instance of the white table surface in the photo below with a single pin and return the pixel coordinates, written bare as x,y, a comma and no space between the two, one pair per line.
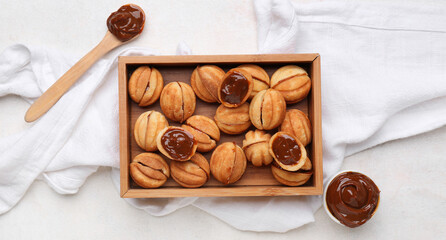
410,172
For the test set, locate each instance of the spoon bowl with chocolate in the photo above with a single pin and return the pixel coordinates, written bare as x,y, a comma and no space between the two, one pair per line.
123,25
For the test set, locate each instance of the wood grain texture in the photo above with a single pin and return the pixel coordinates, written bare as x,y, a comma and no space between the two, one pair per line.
222,192
315,115
255,181
222,59
64,83
123,128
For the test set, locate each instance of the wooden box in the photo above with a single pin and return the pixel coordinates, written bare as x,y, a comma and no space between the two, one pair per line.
255,181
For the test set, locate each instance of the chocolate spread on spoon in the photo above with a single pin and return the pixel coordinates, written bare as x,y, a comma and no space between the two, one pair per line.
127,22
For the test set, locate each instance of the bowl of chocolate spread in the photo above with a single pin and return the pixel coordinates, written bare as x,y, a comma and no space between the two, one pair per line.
351,198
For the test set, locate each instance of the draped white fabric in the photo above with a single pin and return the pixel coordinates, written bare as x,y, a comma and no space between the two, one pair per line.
383,78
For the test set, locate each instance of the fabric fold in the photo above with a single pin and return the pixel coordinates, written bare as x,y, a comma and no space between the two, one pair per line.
67,136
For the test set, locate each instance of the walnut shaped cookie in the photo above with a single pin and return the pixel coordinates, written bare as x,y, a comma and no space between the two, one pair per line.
176,143
205,81
233,120
259,76
267,109
178,101
149,170
228,163
205,131
295,178
256,147
292,82
235,88
191,174
288,152
145,85
147,127
297,124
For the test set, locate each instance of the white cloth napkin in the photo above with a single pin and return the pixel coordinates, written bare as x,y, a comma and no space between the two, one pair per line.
383,78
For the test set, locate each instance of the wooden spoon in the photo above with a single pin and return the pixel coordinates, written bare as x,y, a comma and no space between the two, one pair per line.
124,25
61,86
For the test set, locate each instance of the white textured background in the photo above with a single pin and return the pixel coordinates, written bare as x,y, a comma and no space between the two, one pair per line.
409,172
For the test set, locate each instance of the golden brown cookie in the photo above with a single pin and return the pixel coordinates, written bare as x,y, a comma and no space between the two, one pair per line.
290,178
233,120
147,127
228,163
205,81
267,109
259,76
307,165
235,88
298,124
149,170
145,85
205,131
178,101
288,152
292,82
191,174
255,145
176,143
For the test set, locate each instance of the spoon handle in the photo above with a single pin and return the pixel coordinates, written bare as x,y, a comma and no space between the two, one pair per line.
63,84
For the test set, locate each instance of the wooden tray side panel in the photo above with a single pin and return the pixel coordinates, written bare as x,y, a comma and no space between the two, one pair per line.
222,59
123,128
256,181
247,191
315,114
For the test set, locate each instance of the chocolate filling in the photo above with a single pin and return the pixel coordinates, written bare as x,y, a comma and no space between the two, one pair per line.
127,22
234,88
352,198
178,143
286,149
